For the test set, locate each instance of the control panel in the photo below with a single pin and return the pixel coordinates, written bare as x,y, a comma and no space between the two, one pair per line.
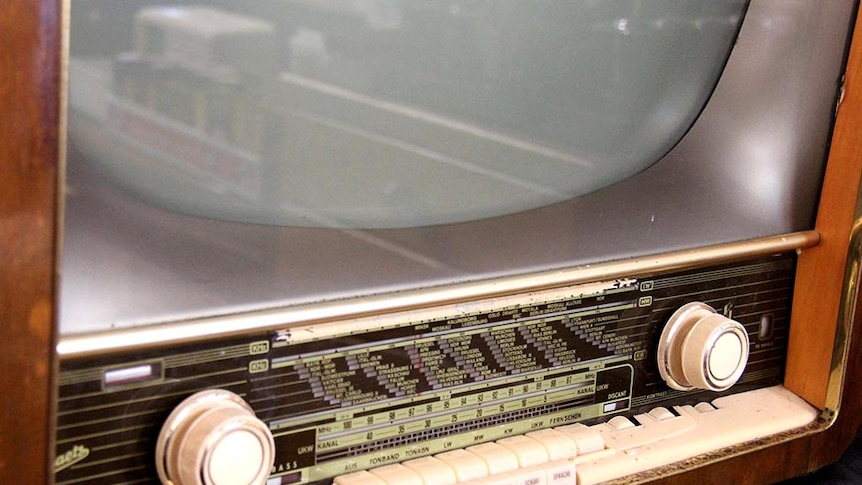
490,378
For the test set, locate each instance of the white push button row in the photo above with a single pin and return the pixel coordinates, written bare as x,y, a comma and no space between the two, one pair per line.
560,472
605,451
734,419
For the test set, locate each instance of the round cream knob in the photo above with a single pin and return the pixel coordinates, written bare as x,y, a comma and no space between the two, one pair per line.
702,349
714,353
214,438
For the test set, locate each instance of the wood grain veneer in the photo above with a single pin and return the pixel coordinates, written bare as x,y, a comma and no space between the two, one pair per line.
29,91
819,280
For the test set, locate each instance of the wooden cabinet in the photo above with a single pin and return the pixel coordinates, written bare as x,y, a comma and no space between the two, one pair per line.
31,169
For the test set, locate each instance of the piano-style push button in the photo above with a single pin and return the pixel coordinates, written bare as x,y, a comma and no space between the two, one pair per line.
587,440
619,423
529,451
432,471
661,414
499,459
397,475
466,465
358,478
557,444
704,407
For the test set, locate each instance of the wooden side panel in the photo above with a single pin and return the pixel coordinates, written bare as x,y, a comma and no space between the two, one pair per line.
819,281
29,90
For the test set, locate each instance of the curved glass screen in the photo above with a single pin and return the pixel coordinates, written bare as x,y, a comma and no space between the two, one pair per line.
385,113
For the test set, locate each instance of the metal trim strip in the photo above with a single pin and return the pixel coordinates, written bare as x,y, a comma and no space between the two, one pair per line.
140,338
846,312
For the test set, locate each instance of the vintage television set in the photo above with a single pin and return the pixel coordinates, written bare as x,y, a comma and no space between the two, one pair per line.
379,242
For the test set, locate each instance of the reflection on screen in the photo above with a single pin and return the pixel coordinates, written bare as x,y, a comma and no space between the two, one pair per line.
385,113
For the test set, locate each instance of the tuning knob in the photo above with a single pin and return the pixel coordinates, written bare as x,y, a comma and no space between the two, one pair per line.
702,349
214,438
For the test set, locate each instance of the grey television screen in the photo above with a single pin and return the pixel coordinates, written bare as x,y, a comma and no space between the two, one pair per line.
233,156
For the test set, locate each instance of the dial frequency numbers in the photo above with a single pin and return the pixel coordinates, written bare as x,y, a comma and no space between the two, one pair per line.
455,409
452,419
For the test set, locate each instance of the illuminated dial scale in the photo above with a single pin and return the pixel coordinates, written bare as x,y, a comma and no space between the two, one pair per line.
449,409
486,402
342,397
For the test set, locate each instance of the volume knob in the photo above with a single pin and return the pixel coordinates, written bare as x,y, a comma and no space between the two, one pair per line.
214,438
702,349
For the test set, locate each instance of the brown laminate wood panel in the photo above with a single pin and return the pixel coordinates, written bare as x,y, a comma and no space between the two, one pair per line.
29,90
819,280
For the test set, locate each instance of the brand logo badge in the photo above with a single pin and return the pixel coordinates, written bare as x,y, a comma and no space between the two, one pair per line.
75,455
